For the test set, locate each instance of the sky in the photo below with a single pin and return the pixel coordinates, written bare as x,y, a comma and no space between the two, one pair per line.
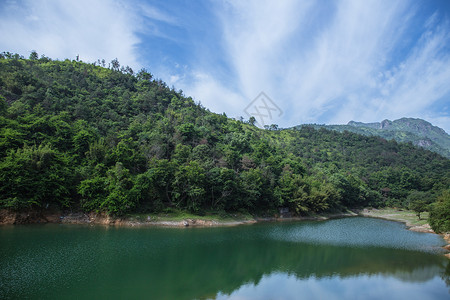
286,62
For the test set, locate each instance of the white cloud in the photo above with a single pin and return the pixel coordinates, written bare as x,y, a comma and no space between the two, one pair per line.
255,33
410,87
253,37
347,60
351,60
153,13
440,121
212,94
346,54
64,29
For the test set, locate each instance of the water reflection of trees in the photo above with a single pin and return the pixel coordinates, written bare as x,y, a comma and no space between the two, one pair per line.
191,264
446,274
202,271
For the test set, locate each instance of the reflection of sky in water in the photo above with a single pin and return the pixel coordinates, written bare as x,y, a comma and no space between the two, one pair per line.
368,233
284,286
328,260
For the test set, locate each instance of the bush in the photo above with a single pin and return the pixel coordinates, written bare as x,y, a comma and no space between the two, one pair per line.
440,213
34,176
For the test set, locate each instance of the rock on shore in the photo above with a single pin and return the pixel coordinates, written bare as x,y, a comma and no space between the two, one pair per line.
36,217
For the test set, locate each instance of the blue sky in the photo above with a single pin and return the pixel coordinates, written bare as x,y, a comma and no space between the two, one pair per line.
324,61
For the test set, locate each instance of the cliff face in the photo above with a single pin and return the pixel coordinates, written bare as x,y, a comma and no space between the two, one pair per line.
420,127
416,126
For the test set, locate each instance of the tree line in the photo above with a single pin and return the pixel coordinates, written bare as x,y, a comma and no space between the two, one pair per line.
81,136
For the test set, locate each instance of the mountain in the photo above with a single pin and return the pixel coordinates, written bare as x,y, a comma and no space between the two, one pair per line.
92,139
417,131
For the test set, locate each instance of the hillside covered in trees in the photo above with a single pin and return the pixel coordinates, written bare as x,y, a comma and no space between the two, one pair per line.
89,138
416,131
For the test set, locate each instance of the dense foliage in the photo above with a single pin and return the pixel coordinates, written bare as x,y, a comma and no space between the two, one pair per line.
440,213
97,139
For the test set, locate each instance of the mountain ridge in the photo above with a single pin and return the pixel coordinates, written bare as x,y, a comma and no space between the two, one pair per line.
417,131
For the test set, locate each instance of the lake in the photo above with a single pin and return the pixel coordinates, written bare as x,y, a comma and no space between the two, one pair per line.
349,258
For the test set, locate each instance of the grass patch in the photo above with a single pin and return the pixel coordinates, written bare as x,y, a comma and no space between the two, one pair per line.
407,216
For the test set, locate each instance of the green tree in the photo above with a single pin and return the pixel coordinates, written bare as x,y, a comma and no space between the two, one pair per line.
251,186
120,200
440,213
182,153
35,177
93,192
130,143
3,105
348,187
152,189
418,206
34,55
115,64
419,201
189,186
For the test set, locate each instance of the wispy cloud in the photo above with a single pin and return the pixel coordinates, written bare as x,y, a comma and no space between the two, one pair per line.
410,86
321,62
154,13
65,29
360,60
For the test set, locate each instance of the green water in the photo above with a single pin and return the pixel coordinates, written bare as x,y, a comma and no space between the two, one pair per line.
347,258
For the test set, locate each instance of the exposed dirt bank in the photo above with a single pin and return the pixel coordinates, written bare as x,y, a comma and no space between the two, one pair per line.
67,217
39,217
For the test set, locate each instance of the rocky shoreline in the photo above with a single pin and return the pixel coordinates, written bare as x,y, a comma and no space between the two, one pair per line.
67,217
60,217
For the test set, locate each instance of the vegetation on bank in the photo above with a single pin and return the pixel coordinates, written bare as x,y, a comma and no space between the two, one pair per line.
440,213
174,215
397,214
85,137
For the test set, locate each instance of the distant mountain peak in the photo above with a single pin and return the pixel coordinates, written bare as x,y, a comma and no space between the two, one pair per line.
414,125
376,125
417,131
386,123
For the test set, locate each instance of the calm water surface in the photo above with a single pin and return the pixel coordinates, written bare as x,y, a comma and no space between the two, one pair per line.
351,258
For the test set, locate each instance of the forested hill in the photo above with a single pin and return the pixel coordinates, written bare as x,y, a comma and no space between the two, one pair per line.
417,131
90,138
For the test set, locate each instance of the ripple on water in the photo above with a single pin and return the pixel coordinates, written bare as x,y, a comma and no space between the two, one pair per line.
38,262
358,232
